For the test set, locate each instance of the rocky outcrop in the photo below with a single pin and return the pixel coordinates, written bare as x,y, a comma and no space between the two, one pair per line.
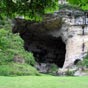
62,41
39,40
18,59
76,39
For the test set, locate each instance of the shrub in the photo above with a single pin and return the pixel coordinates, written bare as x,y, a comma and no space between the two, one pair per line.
53,69
11,45
83,63
16,69
69,73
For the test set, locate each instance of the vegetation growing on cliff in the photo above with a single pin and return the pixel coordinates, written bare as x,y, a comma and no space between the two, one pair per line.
14,60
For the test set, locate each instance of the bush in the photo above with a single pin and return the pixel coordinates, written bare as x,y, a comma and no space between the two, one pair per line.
69,73
53,69
16,69
11,45
83,63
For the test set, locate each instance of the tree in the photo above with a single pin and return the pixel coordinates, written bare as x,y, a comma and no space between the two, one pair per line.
31,8
83,4
34,8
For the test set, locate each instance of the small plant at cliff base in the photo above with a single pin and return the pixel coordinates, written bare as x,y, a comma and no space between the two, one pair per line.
53,69
69,73
83,63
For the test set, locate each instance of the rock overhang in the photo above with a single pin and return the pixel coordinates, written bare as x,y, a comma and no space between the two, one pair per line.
53,28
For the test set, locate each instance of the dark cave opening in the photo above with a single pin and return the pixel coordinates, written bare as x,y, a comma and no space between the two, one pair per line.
76,61
47,49
39,40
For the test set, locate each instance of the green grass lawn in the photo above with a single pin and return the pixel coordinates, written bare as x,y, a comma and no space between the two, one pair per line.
43,82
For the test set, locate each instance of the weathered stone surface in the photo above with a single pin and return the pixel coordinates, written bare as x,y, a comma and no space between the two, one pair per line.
18,59
53,40
81,72
76,40
43,67
37,39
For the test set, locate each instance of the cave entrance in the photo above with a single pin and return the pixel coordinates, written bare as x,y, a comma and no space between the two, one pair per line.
50,50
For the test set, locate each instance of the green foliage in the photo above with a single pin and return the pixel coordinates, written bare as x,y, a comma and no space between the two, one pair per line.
53,69
16,69
3,39
83,63
69,73
83,4
43,82
34,9
11,45
28,8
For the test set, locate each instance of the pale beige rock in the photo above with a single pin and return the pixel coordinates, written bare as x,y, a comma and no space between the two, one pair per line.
73,37
74,44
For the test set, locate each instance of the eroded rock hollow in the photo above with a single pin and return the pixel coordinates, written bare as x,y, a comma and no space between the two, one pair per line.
38,39
47,49
55,41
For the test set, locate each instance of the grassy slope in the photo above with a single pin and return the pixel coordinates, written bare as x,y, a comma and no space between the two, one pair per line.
43,82
11,46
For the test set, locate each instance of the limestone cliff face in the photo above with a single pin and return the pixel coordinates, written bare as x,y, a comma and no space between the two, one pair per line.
76,44
55,40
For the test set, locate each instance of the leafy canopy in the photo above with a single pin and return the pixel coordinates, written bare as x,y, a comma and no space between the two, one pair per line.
31,8
34,8
83,4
